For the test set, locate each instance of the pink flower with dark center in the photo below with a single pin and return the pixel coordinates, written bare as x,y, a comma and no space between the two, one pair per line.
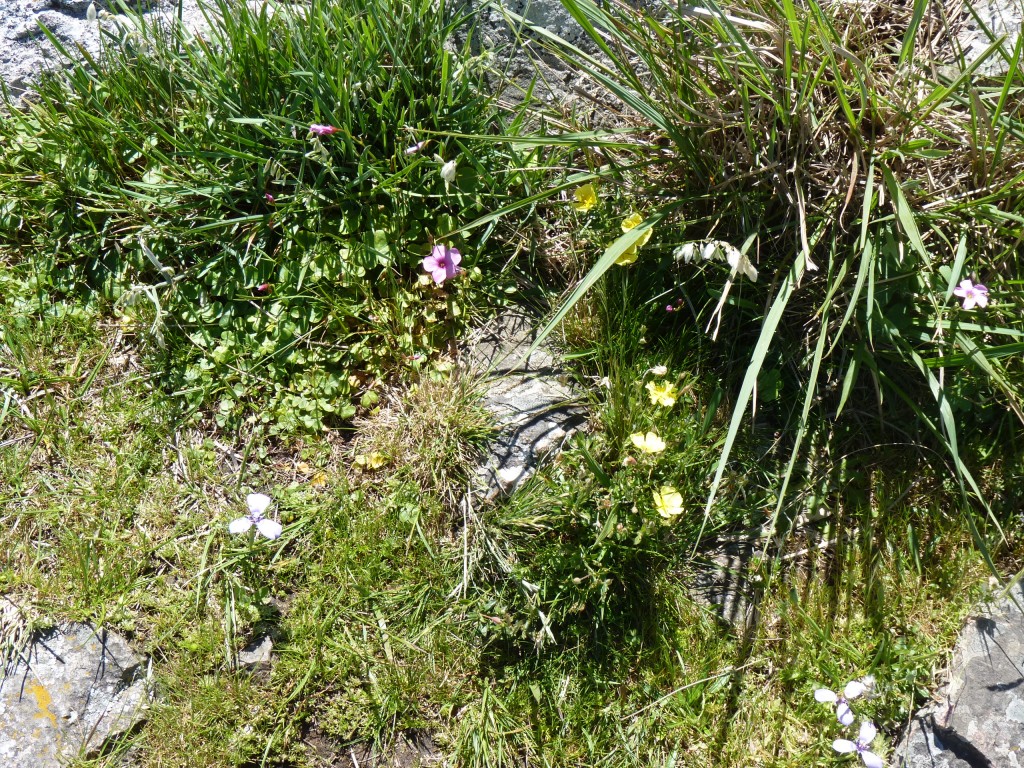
322,130
442,263
973,294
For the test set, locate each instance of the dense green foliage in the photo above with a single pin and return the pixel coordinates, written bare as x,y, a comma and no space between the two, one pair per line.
776,347
280,269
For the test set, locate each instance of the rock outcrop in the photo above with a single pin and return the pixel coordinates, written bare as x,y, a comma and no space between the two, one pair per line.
977,720
69,692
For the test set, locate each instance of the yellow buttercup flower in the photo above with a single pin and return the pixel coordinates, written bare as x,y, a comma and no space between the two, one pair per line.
586,198
370,461
649,443
662,393
630,254
669,503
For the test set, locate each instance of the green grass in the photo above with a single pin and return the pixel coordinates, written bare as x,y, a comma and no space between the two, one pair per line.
854,422
120,517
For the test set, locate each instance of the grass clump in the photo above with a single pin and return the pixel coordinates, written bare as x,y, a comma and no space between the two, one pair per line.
181,179
824,193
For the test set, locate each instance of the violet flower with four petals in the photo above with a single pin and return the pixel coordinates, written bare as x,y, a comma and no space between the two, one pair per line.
257,503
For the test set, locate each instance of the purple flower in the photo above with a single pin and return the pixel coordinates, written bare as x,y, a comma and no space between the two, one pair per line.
852,690
269,198
973,294
257,503
322,130
442,263
416,147
861,745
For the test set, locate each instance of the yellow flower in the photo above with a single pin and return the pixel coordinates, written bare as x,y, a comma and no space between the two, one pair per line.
662,393
669,503
649,443
629,255
370,461
586,198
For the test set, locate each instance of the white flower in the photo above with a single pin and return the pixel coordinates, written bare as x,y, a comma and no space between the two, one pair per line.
448,171
861,745
685,252
257,503
739,262
90,12
852,690
659,370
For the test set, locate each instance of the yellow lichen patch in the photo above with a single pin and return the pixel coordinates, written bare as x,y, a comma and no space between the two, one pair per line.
43,701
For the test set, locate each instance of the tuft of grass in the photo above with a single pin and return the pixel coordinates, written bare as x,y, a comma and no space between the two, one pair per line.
434,433
178,179
849,170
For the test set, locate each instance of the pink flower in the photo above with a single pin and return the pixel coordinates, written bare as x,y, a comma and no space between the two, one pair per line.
442,263
322,130
973,294
269,198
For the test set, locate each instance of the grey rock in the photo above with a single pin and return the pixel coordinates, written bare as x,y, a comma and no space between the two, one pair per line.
722,579
978,716
535,408
257,655
70,691
27,52
1000,18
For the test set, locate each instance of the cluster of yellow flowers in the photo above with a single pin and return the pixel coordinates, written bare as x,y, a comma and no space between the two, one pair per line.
667,500
585,198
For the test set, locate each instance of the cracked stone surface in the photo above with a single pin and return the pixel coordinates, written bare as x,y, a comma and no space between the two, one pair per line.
26,51
978,718
71,690
536,409
999,19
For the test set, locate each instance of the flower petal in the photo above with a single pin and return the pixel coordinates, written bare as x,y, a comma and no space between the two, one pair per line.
257,503
853,689
824,695
871,760
241,525
844,745
844,714
867,732
269,528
